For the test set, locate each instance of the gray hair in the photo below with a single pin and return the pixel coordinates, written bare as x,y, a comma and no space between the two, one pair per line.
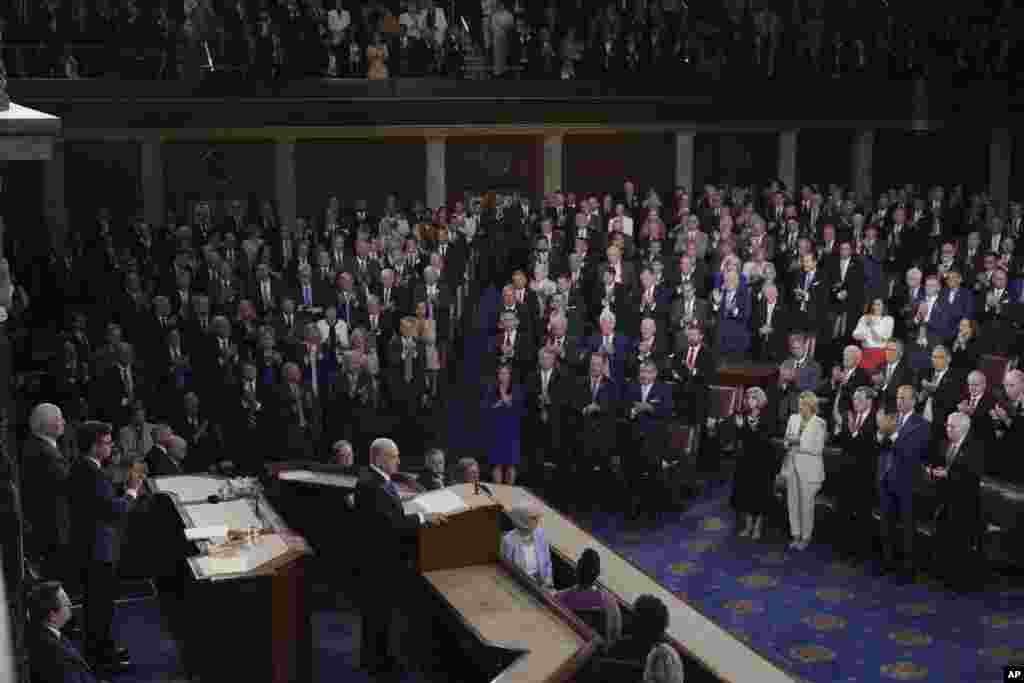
757,393
463,466
41,416
663,665
609,316
341,443
521,514
865,393
372,300
177,446
382,447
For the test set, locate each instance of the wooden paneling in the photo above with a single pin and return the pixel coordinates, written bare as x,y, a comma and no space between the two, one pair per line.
194,170
102,174
500,163
358,169
600,163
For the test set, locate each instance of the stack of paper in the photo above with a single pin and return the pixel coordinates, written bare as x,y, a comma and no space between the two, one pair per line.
441,502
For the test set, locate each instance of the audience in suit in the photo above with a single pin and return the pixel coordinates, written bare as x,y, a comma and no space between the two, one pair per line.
55,658
45,472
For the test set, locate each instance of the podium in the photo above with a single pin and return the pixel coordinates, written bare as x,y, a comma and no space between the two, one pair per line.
470,536
240,612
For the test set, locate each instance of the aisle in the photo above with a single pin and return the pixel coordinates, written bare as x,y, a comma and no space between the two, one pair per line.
816,616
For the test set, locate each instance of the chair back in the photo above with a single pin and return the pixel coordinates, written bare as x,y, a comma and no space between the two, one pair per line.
595,618
994,367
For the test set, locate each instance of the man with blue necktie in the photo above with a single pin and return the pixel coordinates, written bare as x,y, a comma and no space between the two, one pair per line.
904,438
648,406
388,534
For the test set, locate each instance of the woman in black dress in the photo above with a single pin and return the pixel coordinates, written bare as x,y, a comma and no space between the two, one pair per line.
753,483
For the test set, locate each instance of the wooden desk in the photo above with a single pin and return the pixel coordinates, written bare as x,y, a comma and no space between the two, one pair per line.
694,634
504,613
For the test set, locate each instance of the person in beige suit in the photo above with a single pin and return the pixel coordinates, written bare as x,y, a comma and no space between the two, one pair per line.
804,469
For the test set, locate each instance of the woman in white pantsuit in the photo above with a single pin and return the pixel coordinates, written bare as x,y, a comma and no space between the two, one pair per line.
804,470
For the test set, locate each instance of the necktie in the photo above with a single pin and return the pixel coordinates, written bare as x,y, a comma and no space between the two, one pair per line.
594,385
126,375
373,323
288,320
860,423
387,295
250,386
307,297
391,489
691,358
508,338
544,384
266,291
951,454
974,403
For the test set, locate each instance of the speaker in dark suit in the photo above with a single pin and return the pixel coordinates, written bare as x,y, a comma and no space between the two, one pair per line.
647,405
387,535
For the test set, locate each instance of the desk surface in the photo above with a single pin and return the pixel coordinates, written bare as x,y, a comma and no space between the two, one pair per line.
722,654
505,614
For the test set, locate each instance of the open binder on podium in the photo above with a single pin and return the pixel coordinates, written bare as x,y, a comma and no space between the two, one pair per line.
471,534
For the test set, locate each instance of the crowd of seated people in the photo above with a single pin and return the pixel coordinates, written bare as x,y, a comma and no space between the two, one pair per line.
225,339
552,40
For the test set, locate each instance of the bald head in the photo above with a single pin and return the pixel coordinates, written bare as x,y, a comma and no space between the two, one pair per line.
47,420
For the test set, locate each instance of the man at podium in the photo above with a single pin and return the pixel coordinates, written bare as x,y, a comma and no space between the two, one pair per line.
388,532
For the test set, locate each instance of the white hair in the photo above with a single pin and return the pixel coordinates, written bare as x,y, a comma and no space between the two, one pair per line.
382,447
41,416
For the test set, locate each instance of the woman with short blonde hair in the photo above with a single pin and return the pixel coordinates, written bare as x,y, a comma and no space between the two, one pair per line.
804,469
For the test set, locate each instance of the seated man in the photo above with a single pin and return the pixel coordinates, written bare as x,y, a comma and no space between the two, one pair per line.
433,478
55,659
467,471
650,619
586,596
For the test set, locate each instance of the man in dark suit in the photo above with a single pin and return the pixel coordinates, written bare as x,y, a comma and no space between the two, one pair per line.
434,476
44,478
939,391
546,395
54,657
894,373
846,378
847,278
171,460
647,405
811,293
857,491
957,466
264,291
904,437
439,302
566,348
979,406
386,532
118,387
771,325
693,370
1005,461
594,405
96,513
512,346
299,415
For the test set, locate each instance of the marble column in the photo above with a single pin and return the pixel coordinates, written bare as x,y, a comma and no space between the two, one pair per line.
284,182
684,159
1000,154
154,191
553,168
787,158
54,205
861,162
436,188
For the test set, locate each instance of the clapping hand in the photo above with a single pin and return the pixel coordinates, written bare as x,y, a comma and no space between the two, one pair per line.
716,297
939,472
998,413
965,407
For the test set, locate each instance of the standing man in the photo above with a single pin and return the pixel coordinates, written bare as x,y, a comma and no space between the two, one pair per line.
44,474
957,467
387,529
904,438
96,512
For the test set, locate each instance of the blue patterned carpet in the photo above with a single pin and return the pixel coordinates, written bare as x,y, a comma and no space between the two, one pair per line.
817,617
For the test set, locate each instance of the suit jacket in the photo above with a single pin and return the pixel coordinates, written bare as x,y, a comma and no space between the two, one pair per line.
56,660
132,446
903,457
862,449
96,514
620,348
678,322
161,464
774,346
659,397
45,474
960,492
513,550
559,388
442,307
384,530
953,312
902,374
982,427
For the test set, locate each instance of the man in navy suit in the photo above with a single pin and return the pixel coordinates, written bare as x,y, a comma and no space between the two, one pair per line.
648,406
593,404
614,346
904,438
55,659
386,531
957,304
96,513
